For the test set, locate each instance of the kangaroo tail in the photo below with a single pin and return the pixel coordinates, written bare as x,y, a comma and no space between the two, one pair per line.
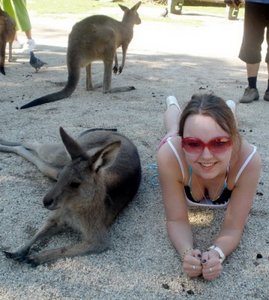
48,98
64,93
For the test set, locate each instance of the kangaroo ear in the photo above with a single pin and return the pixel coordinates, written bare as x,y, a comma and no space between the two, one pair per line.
124,8
136,6
106,156
72,147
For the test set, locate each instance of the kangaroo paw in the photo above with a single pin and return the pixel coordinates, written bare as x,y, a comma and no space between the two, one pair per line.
32,261
115,69
17,256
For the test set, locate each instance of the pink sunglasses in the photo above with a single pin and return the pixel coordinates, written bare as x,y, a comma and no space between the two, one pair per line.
196,146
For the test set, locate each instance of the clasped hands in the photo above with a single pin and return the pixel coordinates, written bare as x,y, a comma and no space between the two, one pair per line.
207,264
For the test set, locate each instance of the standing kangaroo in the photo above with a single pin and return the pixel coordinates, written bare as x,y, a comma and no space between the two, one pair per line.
7,34
95,38
97,176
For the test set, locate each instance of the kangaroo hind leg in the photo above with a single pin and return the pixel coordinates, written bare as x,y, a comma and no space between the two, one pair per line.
89,85
2,58
29,153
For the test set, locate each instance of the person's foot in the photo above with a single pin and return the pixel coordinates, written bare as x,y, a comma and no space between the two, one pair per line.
266,96
172,100
29,46
250,95
232,106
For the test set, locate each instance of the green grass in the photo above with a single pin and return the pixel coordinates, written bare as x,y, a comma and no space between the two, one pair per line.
68,6
92,6
60,6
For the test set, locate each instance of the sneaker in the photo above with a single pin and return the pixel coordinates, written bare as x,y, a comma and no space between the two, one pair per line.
28,46
172,100
266,96
250,95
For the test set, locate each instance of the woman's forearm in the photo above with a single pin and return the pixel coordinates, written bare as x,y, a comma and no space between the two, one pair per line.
180,235
228,240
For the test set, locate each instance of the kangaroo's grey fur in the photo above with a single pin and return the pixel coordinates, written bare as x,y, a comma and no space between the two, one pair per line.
95,38
97,176
7,34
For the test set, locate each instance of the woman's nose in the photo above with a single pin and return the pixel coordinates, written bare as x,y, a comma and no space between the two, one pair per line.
206,153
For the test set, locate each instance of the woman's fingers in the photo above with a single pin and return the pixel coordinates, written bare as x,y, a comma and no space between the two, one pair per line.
192,263
212,272
211,266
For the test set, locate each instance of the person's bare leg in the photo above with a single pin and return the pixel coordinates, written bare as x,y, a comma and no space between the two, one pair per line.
252,70
28,34
232,106
172,116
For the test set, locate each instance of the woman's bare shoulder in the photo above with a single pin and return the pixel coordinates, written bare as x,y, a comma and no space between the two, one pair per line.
165,152
168,163
246,151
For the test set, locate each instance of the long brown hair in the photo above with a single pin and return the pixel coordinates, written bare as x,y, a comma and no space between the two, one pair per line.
214,107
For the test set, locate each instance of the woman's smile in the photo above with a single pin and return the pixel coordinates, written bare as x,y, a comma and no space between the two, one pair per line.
207,165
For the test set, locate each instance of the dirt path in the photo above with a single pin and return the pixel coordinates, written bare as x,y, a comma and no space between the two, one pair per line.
191,54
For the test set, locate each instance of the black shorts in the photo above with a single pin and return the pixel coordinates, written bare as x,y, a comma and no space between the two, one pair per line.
255,23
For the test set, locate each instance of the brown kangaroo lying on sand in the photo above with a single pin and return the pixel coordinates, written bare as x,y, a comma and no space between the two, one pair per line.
95,38
7,34
97,176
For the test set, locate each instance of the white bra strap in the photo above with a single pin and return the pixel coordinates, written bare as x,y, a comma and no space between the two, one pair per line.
177,156
245,163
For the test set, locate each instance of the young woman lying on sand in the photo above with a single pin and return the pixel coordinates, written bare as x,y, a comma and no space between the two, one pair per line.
203,161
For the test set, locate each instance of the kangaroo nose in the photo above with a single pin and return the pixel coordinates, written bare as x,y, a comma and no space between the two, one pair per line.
47,202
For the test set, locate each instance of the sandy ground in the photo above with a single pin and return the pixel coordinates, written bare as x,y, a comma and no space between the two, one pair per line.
164,58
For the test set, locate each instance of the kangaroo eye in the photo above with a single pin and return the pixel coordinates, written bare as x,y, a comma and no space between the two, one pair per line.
74,185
